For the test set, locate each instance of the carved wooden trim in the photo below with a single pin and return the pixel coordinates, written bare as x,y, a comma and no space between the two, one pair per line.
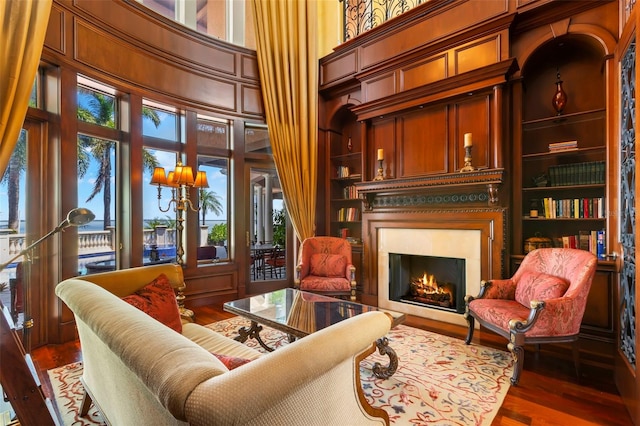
488,180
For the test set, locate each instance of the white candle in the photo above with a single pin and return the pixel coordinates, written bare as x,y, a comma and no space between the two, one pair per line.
467,140
380,154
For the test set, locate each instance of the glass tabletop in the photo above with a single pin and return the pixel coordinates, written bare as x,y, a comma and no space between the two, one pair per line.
300,313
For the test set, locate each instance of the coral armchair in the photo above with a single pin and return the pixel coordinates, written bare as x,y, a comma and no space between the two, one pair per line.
543,302
325,267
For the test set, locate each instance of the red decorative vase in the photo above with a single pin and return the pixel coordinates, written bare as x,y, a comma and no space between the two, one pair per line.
559,100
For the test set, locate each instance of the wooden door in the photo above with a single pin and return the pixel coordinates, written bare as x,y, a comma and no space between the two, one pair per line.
623,225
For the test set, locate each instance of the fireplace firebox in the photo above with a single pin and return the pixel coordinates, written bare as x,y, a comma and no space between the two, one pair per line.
429,281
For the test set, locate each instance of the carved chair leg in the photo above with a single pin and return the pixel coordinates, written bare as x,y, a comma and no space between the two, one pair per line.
471,322
85,404
518,357
576,357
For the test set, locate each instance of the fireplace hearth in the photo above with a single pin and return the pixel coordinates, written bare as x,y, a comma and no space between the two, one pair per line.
429,281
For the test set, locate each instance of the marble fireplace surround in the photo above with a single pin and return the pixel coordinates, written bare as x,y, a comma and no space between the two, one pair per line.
474,234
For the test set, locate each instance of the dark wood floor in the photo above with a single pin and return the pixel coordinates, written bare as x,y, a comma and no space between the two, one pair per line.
549,392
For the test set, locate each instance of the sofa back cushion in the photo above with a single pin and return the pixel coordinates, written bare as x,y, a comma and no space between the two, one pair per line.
158,300
328,265
539,286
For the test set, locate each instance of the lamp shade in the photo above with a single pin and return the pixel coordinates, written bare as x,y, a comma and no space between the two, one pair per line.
201,180
159,177
171,180
184,175
80,216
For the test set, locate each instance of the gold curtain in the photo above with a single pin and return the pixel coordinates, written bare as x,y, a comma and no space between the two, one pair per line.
287,57
24,25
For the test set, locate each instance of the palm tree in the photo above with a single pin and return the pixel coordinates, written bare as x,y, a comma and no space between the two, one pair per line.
210,201
17,165
101,111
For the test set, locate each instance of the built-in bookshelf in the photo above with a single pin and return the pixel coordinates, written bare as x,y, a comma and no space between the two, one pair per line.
562,157
345,205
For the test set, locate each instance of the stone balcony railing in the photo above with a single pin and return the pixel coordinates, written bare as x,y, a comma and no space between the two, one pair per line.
89,242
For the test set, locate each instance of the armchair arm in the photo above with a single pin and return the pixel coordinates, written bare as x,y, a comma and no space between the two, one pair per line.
351,273
522,326
561,317
495,289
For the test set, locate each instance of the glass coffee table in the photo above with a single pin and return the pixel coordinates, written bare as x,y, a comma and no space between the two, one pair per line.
300,313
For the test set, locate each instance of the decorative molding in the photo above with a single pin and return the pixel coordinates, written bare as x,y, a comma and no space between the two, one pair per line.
425,190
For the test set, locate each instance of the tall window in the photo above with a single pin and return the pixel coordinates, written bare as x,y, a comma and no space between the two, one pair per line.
159,217
13,225
214,209
97,107
161,123
214,140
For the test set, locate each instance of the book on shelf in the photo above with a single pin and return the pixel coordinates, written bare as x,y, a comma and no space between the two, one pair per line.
350,192
588,173
348,214
573,208
563,146
343,171
592,241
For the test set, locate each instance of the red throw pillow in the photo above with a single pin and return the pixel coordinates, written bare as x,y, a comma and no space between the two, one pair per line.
158,300
539,286
328,265
231,362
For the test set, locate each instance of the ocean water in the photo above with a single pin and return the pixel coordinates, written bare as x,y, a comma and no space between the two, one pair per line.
98,225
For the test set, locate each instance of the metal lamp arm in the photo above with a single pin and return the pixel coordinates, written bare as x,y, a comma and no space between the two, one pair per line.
63,225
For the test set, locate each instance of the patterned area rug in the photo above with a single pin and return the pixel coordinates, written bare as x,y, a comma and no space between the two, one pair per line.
439,381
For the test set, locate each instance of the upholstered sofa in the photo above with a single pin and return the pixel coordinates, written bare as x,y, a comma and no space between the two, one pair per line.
139,371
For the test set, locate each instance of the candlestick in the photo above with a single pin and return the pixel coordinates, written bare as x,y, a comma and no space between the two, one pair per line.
467,158
380,154
380,175
467,140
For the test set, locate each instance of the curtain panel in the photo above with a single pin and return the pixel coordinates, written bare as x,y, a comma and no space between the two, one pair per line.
286,33
24,25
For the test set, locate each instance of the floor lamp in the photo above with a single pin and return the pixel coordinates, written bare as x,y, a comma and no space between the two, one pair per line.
76,217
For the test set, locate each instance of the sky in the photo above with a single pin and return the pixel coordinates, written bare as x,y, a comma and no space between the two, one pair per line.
217,182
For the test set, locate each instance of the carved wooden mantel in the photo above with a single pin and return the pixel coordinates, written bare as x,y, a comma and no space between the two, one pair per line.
488,179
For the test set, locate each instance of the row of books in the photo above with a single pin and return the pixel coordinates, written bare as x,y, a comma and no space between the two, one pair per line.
593,172
593,241
350,192
343,171
563,146
574,208
348,214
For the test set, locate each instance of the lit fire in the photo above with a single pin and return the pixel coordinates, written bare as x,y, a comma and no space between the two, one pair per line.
425,286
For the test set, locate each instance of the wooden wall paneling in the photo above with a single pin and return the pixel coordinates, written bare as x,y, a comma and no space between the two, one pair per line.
599,314
338,67
108,54
473,116
379,86
382,135
55,36
162,36
449,20
423,72
251,100
476,54
249,67
423,146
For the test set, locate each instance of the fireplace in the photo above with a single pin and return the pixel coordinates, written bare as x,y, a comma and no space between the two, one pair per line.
430,281
449,215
